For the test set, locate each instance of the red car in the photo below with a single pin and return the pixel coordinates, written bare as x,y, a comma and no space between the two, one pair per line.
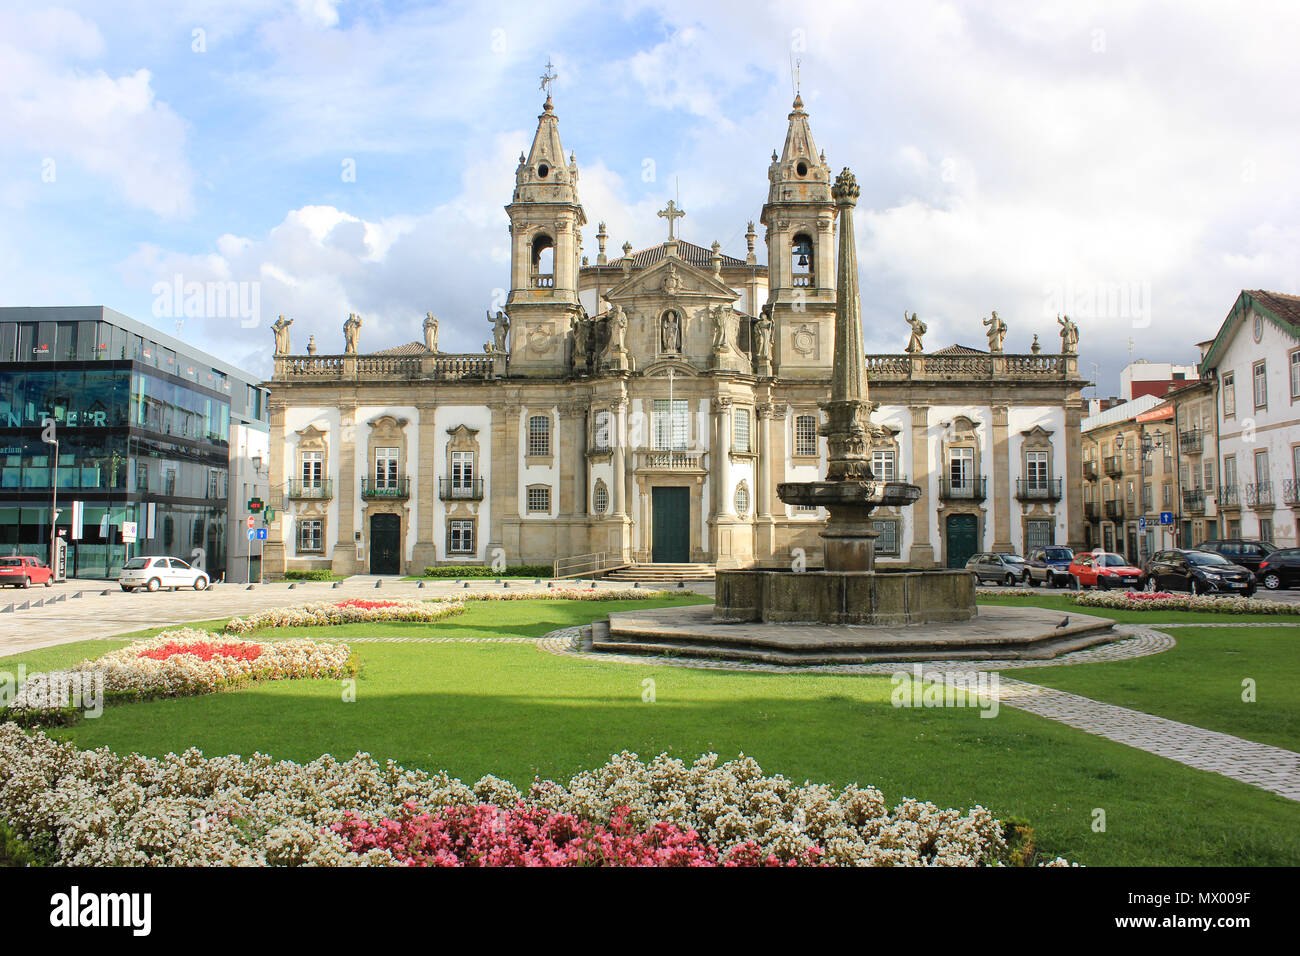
1102,569
21,572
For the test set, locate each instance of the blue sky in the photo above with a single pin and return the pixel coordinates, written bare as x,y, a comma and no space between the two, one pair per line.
1130,163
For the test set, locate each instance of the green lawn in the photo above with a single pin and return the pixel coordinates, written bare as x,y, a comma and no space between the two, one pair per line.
1058,600
515,711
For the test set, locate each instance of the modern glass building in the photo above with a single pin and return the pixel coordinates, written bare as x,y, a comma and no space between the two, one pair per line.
144,428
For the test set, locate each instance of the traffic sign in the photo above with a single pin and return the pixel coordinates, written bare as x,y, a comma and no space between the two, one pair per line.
1142,523
250,524
128,532
1166,517
261,534
251,532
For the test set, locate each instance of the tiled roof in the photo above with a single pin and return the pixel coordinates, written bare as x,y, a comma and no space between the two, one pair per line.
1285,307
410,348
1120,413
960,350
686,251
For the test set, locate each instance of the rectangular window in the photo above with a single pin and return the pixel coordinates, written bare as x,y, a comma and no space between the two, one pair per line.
670,426
313,468
1295,374
1039,534
385,467
805,436
309,534
888,542
460,537
1261,466
882,465
1229,471
1167,496
539,499
539,436
1266,529
961,467
740,431
602,424
462,471
1036,470
1208,475
1229,385
1260,378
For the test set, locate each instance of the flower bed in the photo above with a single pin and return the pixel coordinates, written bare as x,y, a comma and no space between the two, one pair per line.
572,594
96,808
328,613
1167,601
180,663
487,835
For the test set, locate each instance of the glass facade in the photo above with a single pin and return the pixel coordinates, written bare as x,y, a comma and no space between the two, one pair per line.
135,444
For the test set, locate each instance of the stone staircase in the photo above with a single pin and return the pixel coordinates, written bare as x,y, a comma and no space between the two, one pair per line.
663,576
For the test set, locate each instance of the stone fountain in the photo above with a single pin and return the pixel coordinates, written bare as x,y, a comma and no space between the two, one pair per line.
847,612
849,589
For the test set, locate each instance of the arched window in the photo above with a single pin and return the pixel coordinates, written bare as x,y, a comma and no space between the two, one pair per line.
543,260
742,499
600,498
802,260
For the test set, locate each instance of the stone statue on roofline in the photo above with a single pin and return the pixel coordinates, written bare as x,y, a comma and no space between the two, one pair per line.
997,332
914,346
430,332
500,328
763,335
351,333
1069,336
281,329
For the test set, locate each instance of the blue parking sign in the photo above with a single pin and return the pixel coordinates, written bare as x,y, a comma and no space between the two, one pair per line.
1166,517
1142,523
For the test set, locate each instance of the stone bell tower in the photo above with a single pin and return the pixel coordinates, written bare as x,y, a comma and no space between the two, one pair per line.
545,242
800,220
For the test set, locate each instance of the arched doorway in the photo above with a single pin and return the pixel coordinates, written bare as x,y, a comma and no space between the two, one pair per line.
961,535
385,544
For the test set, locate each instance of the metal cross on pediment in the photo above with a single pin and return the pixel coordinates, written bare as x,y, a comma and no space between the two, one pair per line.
671,213
548,78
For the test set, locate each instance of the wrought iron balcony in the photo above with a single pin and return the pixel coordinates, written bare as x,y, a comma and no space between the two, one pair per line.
1228,497
397,489
1113,465
1259,495
320,490
1291,492
1190,442
1090,510
1113,509
460,489
1090,470
1028,489
1193,501
972,489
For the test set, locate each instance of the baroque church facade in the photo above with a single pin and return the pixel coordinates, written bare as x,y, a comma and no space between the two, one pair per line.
644,407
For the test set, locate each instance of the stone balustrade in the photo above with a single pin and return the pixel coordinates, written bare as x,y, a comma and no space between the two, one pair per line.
903,368
436,366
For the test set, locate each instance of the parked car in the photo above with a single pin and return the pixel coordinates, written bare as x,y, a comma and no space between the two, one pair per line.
1050,566
1281,569
997,567
154,572
1201,572
21,572
1103,569
1246,552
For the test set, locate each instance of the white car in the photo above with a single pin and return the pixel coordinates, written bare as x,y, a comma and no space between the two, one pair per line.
153,573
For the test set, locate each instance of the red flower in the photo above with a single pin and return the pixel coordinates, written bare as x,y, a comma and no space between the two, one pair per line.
204,651
365,605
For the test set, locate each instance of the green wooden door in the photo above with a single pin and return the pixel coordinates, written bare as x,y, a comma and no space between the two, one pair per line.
385,542
672,525
962,532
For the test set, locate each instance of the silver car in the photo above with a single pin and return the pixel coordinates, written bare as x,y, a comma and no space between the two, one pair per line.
155,572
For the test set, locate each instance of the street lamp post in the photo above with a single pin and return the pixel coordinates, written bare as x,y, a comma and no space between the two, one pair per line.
54,501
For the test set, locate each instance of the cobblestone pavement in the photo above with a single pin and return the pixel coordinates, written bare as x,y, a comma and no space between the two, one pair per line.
1270,768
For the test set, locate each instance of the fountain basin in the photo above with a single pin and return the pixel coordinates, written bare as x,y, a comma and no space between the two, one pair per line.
886,597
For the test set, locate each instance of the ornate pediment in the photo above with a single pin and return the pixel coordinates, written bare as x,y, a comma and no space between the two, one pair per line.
672,278
1038,432
661,368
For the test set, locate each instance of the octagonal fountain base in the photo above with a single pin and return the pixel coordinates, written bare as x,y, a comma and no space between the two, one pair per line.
884,597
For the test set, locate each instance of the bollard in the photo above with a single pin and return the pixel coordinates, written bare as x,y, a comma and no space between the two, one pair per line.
250,587
466,584
420,585
292,586
379,582
337,583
